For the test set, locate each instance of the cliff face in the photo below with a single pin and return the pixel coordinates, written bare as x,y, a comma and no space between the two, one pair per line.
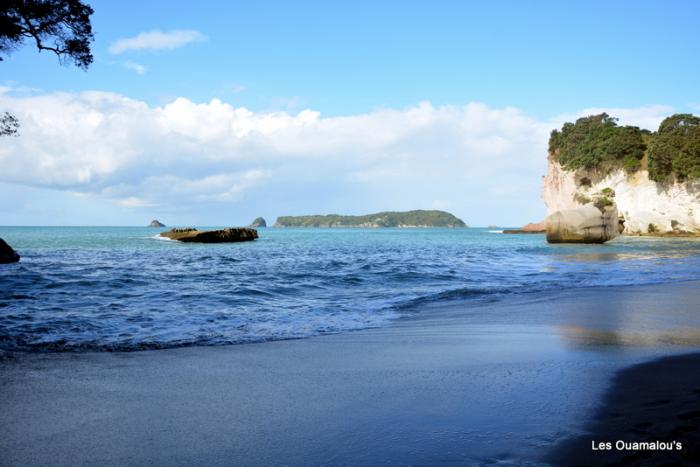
649,208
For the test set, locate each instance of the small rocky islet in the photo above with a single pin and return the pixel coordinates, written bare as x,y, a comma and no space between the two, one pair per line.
257,223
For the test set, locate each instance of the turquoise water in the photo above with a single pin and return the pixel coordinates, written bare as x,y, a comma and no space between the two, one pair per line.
119,288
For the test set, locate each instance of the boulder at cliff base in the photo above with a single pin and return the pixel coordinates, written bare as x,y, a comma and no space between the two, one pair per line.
587,224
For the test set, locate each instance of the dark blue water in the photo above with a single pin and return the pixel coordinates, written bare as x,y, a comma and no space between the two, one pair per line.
119,288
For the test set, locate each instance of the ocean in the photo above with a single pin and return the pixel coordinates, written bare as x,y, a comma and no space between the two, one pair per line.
121,288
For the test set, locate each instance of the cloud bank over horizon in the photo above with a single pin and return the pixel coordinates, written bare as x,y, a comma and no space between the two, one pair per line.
200,161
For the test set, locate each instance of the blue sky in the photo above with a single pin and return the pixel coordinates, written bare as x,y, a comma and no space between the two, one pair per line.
547,60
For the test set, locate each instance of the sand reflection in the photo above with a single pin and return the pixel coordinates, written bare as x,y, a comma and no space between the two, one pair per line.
585,336
590,257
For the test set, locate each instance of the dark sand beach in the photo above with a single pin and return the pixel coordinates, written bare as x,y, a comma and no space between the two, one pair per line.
656,405
522,381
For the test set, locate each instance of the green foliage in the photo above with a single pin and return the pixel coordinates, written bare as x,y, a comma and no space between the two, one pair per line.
597,142
608,192
581,198
631,164
59,26
675,149
418,218
602,202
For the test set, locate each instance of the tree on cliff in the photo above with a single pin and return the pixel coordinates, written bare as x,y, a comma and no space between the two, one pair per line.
59,26
597,142
675,149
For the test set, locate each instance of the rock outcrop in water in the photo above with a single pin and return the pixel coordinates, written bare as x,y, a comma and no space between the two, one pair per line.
257,223
7,254
653,177
531,228
228,235
587,224
156,223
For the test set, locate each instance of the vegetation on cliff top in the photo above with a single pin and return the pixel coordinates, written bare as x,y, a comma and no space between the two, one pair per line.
675,148
597,142
417,218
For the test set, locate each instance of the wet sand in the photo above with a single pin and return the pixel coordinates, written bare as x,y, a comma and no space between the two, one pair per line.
504,383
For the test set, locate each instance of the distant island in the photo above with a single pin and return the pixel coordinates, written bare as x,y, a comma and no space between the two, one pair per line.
417,218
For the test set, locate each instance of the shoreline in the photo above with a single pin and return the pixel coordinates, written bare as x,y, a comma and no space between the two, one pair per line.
424,307
479,384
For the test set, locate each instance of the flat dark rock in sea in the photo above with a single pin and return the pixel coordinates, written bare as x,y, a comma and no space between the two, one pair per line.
7,254
227,235
156,223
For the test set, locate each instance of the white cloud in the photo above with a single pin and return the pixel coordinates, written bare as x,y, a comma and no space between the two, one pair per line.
482,163
136,67
157,40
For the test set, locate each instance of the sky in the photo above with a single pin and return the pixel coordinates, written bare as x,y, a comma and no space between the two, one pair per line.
214,113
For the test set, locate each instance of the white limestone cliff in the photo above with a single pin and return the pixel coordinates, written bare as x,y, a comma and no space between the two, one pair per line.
648,207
